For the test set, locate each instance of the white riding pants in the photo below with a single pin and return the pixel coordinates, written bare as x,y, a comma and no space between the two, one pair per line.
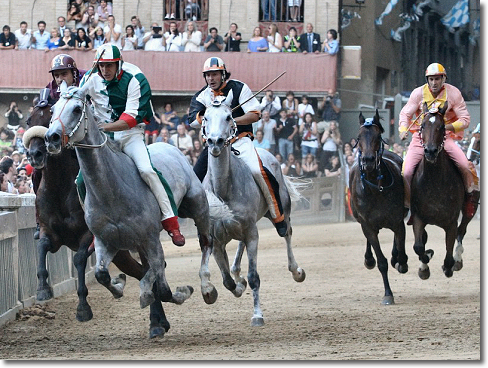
132,143
249,155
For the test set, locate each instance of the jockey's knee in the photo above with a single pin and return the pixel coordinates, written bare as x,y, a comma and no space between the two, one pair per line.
146,172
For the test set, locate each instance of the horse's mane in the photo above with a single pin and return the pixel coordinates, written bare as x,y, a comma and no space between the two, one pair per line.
37,131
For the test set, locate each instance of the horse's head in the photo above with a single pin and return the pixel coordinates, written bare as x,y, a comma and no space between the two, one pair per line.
218,126
67,122
433,132
38,123
370,142
36,151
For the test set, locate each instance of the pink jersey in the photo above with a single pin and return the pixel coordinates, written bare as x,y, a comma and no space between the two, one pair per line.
456,114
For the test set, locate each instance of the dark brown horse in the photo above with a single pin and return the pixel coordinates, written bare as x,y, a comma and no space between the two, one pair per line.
377,199
62,222
437,195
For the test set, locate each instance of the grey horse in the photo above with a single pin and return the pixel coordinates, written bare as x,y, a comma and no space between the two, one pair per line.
237,203
120,209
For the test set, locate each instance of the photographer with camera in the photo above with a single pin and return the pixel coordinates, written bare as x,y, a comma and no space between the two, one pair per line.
308,132
173,38
331,106
214,42
154,40
14,116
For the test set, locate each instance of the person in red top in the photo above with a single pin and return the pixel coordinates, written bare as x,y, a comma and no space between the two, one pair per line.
436,92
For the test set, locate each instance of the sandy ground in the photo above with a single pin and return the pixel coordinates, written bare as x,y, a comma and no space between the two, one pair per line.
335,314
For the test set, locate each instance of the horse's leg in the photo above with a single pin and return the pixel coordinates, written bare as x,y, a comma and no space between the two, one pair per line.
220,255
83,311
159,325
105,256
425,256
44,290
240,281
369,261
253,276
399,256
451,232
461,232
297,272
156,273
209,292
372,236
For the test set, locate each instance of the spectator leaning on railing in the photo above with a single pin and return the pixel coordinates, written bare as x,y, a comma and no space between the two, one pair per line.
7,39
23,36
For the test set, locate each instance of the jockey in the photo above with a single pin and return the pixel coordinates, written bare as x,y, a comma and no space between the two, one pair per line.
218,84
121,98
435,93
63,68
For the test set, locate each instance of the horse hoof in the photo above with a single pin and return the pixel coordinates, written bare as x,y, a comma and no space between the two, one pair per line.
424,274
119,285
210,297
257,321
84,314
299,275
458,266
401,268
370,263
388,300
182,293
157,331
240,288
45,294
146,299
447,271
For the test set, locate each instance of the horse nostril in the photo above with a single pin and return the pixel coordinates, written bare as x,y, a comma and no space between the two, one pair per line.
53,138
210,141
220,141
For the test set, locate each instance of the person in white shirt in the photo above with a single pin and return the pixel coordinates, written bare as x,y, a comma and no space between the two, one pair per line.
23,35
113,32
154,40
303,108
173,38
192,38
271,103
129,39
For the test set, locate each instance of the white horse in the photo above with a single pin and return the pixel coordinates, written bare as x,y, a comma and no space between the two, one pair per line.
120,209
230,185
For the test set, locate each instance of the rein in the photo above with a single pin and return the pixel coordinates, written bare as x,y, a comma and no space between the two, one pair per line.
66,137
378,160
232,137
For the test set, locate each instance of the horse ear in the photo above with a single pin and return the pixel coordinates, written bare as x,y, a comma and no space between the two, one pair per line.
377,116
361,118
443,110
424,108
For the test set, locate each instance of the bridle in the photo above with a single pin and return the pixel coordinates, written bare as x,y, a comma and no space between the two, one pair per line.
217,103
433,112
81,123
378,158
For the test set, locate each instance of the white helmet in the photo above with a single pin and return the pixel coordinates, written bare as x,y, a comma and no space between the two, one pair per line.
109,53
214,64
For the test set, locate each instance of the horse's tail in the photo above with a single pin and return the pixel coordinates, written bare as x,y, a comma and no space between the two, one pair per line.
218,210
294,185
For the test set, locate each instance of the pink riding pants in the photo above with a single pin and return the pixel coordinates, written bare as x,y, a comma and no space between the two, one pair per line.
415,154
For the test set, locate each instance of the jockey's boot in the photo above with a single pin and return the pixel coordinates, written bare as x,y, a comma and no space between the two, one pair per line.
281,228
173,228
37,232
470,203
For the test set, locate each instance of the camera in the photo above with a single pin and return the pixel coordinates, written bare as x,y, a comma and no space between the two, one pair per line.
156,31
327,99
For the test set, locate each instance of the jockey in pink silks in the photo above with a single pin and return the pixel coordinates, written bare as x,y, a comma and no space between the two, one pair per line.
435,93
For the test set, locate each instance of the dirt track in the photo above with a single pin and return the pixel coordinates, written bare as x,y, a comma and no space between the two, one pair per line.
335,314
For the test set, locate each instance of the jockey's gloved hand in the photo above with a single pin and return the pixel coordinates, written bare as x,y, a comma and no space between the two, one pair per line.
195,124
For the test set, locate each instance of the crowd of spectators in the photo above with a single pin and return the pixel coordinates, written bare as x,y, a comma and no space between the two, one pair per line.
92,23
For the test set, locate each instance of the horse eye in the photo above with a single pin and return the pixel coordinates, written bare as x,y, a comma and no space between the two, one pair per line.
77,110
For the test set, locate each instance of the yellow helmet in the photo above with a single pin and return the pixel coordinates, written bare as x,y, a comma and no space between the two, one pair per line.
435,69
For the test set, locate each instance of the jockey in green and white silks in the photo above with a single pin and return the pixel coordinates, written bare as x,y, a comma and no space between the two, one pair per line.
121,98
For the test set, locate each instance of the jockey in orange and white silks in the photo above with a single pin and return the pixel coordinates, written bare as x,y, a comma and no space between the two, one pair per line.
218,84
435,93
